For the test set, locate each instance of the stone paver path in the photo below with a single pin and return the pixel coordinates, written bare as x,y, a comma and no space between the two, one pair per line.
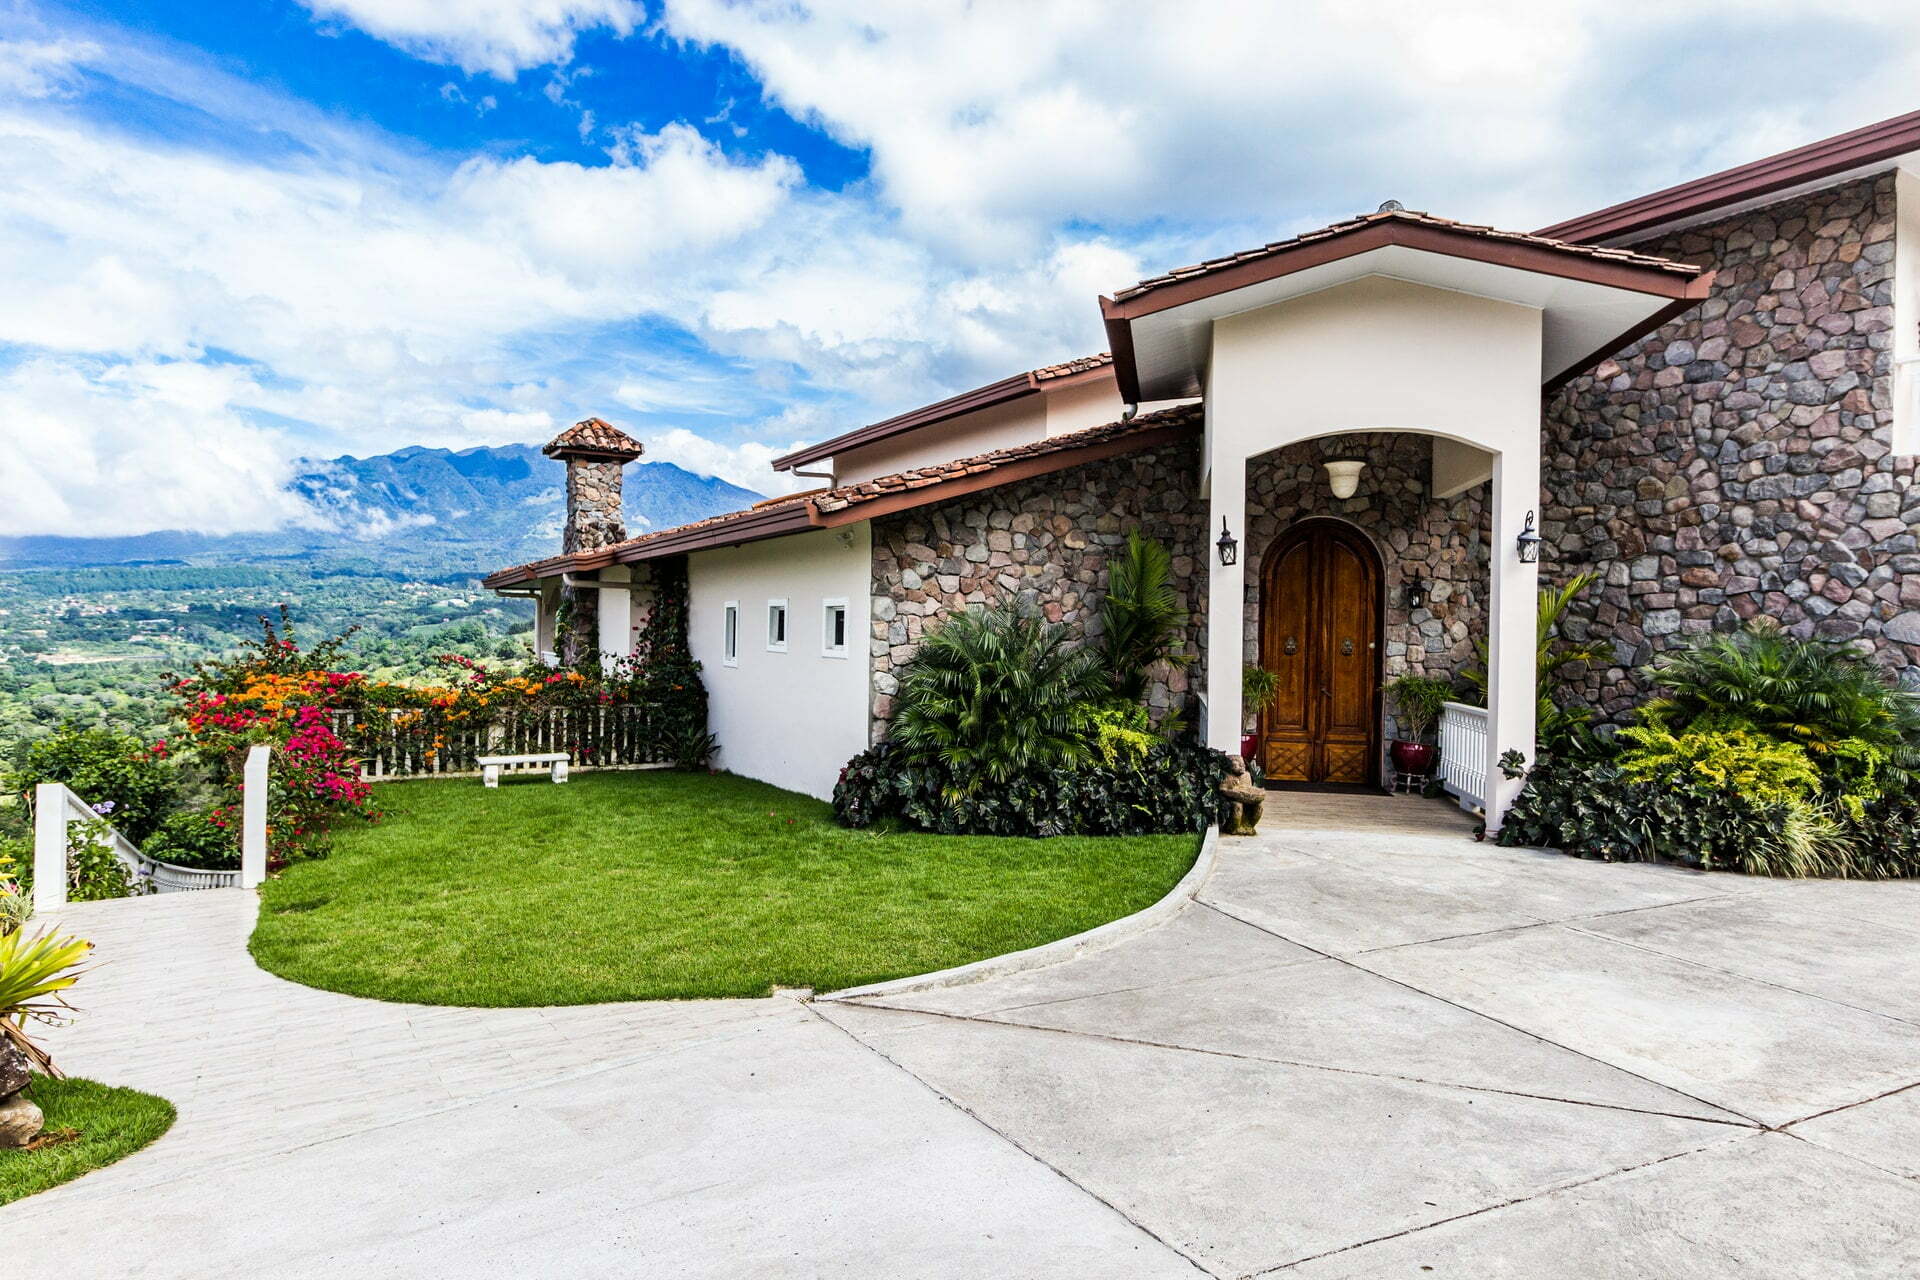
1373,1047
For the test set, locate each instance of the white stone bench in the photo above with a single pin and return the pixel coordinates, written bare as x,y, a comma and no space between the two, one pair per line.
555,762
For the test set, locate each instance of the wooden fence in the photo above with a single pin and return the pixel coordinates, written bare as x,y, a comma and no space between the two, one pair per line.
597,737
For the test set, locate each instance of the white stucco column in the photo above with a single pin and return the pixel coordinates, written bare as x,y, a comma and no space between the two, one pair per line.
1512,607
616,614
1226,603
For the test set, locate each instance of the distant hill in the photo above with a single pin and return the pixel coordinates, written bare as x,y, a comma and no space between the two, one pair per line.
425,512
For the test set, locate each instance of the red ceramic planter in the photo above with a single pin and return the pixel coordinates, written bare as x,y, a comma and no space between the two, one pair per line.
1249,746
1413,757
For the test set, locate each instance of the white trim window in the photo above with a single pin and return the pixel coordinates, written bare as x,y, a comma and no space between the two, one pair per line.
833,627
730,634
776,626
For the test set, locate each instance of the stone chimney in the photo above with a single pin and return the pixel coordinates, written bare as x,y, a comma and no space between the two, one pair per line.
595,451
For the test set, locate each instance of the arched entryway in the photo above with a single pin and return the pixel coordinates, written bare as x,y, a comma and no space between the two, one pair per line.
1320,605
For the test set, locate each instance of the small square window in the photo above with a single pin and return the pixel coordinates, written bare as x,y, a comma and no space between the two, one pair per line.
776,626
730,654
833,629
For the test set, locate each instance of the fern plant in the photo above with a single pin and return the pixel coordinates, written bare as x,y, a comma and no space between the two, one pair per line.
1141,618
998,692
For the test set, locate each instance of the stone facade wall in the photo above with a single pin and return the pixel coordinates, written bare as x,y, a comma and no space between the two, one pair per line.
1045,541
1737,463
1442,544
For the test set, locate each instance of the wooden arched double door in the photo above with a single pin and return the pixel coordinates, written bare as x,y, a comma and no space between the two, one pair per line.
1320,602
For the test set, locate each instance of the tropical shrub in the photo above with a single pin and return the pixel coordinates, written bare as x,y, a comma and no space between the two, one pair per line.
1173,787
1860,731
1142,621
16,893
33,972
995,694
1258,688
1419,699
191,838
104,767
94,870
1557,728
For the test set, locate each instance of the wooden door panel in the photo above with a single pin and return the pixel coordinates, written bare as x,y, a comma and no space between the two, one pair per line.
1319,630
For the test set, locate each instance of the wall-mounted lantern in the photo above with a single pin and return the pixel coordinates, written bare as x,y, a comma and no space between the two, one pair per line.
1416,594
1229,549
1529,542
1343,469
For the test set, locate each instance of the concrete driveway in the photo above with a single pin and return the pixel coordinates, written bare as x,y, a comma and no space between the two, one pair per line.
1371,1048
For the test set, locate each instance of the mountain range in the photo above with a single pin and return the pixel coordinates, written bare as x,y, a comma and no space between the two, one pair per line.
419,511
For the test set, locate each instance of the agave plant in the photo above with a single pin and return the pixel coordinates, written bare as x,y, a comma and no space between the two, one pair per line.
1141,618
997,692
33,972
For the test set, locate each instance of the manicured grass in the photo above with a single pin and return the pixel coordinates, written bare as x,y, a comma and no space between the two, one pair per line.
112,1122
656,885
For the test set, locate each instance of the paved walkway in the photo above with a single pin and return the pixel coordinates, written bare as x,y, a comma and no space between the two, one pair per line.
1372,1048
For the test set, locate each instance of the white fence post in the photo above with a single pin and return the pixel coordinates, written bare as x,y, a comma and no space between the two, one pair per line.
49,846
253,818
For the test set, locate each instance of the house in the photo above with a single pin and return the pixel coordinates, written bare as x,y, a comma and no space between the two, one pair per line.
1362,445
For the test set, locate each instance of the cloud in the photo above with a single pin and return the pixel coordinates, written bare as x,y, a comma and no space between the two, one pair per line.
100,448
993,125
741,464
43,68
500,38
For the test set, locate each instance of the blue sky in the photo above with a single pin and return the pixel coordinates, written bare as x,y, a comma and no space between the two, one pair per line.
238,232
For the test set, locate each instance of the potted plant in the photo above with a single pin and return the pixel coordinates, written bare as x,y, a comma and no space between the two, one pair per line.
1419,699
1258,688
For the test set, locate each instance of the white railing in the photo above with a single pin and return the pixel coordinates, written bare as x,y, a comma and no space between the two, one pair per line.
1463,753
56,808
393,746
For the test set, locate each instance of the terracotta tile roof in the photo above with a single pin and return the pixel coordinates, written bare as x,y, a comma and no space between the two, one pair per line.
1083,365
1411,217
1186,415
797,512
987,397
594,437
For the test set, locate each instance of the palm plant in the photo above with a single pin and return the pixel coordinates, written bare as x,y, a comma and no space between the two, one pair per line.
997,692
1141,617
1420,699
33,972
1552,655
1815,693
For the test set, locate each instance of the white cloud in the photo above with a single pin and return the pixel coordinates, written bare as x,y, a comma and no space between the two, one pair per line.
43,68
741,464
991,125
498,37
98,448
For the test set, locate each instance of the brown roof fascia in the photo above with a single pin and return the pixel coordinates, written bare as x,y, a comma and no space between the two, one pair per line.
1005,473
1697,294
1120,341
1761,178
1565,263
994,393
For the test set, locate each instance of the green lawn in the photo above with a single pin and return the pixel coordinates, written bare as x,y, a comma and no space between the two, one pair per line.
656,885
112,1123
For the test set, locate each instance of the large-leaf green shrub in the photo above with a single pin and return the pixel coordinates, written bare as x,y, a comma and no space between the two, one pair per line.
105,768
1173,787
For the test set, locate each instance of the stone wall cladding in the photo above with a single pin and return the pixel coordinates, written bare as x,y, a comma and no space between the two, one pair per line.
1047,542
1737,463
1441,543
593,517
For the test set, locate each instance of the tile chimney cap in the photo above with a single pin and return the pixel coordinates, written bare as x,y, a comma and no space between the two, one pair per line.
594,438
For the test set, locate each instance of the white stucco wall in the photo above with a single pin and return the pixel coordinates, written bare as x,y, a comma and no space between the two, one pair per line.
998,427
789,718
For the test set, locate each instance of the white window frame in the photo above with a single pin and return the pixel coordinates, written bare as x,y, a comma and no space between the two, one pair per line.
730,634
827,647
786,626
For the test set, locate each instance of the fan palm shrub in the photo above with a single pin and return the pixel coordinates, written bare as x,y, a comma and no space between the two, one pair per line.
1861,731
994,693
1141,618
